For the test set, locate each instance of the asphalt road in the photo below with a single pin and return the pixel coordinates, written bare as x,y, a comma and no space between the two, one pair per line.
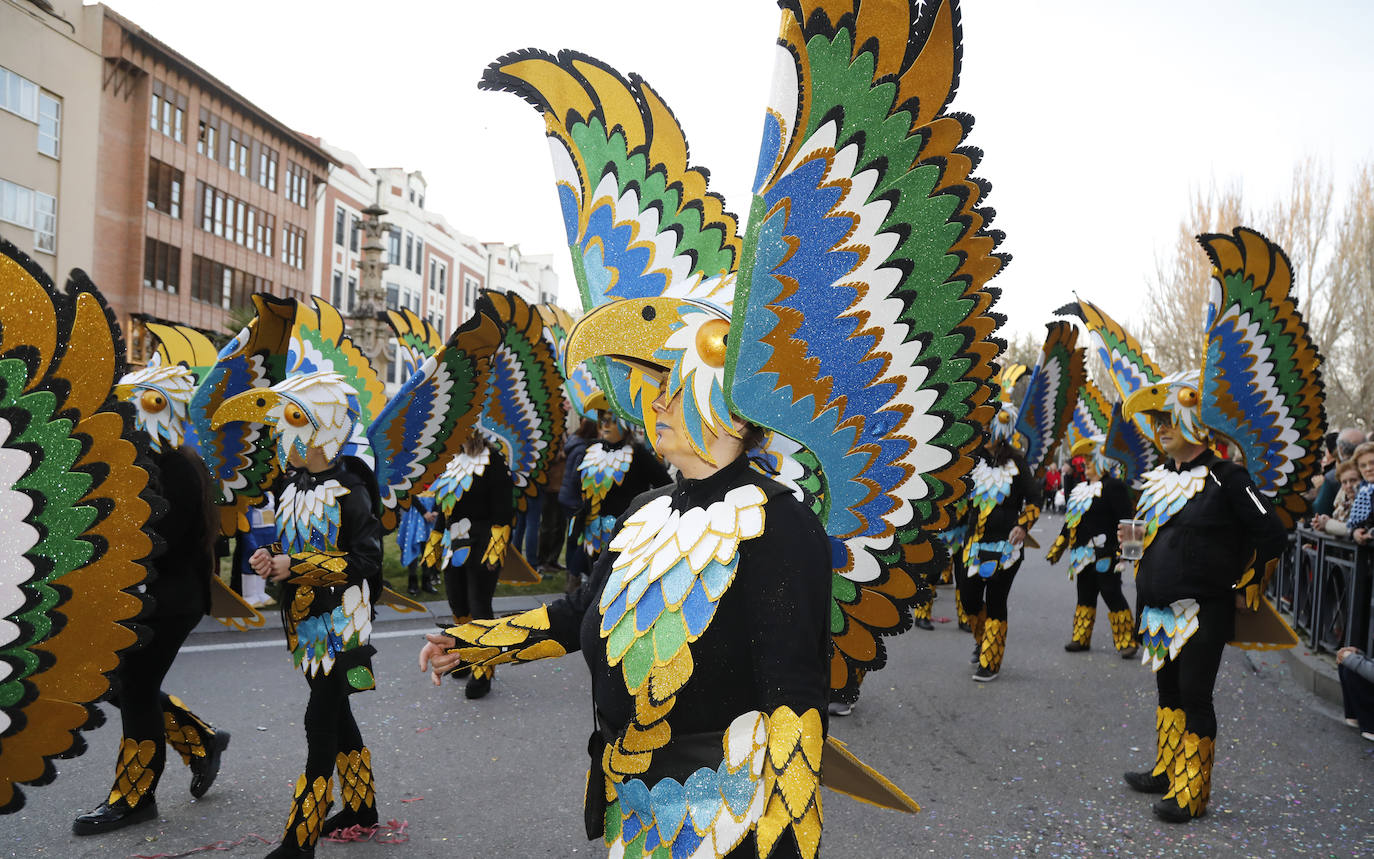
1027,765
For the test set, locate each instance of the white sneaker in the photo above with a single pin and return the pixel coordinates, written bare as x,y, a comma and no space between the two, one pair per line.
1367,735
839,708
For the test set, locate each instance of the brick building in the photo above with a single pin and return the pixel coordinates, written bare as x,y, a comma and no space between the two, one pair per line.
202,198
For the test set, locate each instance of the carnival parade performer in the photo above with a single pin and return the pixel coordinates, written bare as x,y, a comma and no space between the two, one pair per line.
349,459
151,719
1089,540
613,471
1215,528
471,535
1004,506
729,609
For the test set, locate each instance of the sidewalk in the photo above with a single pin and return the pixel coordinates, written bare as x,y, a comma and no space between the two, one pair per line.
1315,673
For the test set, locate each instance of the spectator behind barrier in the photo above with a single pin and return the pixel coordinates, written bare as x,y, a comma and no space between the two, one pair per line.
1347,441
1348,475
1362,508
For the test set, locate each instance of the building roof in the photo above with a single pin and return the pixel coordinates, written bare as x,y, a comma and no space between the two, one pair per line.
209,81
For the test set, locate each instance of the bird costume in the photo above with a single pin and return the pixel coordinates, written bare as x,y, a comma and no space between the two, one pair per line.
1007,488
180,590
73,486
331,515
839,321
1216,528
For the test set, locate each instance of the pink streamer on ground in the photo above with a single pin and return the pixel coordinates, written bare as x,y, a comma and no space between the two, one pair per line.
391,832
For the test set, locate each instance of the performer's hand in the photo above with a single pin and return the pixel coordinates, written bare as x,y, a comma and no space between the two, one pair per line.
279,568
261,562
1361,535
1017,535
431,516
435,657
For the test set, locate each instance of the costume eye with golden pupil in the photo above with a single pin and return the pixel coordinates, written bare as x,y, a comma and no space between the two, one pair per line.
711,342
1003,418
153,401
1187,397
295,416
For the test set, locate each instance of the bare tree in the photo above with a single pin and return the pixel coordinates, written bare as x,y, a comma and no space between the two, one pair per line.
1348,345
1178,291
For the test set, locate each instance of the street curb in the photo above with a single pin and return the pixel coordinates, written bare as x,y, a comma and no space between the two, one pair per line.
1314,673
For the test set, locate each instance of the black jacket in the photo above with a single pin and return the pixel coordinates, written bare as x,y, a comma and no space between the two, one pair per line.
1201,552
181,584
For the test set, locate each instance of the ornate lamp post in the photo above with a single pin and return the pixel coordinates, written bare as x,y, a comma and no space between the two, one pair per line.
367,323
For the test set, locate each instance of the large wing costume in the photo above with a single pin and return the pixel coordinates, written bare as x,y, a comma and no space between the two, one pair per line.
239,455
1260,385
1127,363
74,530
416,340
1050,398
524,406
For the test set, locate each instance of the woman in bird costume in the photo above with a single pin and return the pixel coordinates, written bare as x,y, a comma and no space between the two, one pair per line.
74,488
332,427
725,611
1005,500
1216,528
612,471
1088,537
152,720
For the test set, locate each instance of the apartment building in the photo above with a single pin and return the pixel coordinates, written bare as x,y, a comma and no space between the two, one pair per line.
202,198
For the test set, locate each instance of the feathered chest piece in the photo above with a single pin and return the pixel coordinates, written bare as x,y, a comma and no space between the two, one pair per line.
601,469
992,484
1164,492
672,569
458,476
1081,499
308,516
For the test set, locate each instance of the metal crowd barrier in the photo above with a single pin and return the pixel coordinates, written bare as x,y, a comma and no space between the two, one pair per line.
1323,586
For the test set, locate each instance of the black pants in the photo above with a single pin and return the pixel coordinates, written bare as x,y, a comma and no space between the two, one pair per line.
552,526
139,687
470,585
329,724
1357,695
1186,681
991,593
1091,583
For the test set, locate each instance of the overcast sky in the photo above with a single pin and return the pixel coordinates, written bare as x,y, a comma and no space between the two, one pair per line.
1097,119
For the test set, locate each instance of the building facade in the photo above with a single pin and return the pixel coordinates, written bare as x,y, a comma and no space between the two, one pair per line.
50,65
202,197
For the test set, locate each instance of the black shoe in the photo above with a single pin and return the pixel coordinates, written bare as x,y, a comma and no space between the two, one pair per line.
477,687
984,675
413,587
204,770
965,627
431,585
977,652
924,623
1130,652
1144,782
364,817
111,816
1170,811
1075,647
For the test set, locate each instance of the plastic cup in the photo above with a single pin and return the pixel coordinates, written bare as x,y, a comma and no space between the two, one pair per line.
1132,538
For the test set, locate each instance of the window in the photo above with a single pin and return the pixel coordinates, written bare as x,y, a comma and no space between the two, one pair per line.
352,293
410,251
393,296
161,265
45,222
167,111
438,277
470,287
336,295
18,95
207,137
293,246
235,220
237,154
16,204
297,183
419,255
353,233
218,284
393,247
164,188
267,168
49,125
340,225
